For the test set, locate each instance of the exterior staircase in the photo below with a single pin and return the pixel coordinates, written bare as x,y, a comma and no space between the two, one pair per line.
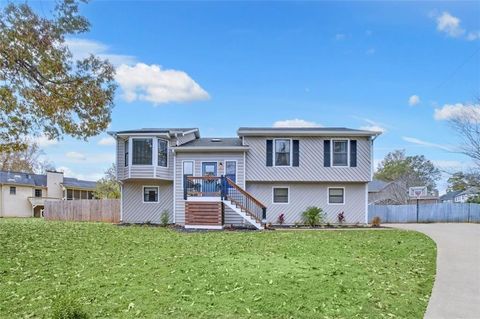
244,214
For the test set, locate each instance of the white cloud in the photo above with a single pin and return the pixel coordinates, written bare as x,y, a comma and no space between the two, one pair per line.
295,123
373,126
153,84
340,36
106,141
68,172
451,26
452,111
82,48
43,141
420,142
413,100
76,156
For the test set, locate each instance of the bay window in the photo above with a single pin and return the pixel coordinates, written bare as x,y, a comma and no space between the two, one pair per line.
162,153
142,149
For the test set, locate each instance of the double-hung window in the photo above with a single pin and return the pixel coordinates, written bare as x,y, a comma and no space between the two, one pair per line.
162,153
280,195
142,151
13,190
336,195
150,194
340,153
282,152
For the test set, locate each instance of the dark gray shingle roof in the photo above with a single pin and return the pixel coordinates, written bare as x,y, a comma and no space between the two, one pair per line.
214,142
449,195
304,131
39,180
77,183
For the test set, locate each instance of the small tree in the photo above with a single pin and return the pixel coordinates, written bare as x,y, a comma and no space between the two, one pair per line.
107,186
164,218
313,216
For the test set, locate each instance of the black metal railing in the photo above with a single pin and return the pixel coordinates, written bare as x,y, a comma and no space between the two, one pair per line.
224,187
204,186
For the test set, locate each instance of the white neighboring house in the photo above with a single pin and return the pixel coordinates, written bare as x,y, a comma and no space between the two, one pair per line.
24,194
467,194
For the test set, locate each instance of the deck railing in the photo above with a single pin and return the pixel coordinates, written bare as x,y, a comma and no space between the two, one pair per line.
243,200
224,187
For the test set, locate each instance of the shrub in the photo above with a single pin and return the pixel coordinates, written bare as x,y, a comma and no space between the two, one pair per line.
376,221
281,219
341,218
313,216
164,218
68,308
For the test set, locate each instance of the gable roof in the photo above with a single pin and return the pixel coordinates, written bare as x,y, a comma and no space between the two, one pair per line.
449,195
303,131
40,180
377,185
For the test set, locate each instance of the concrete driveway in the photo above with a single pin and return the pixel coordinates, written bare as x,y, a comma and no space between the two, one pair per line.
456,292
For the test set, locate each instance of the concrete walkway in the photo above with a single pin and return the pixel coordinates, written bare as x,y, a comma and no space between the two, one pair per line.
456,292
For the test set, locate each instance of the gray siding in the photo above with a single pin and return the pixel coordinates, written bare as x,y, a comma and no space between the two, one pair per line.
134,210
183,139
311,163
121,169
302,195
199,158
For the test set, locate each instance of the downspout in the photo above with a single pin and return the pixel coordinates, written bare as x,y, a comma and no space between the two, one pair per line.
174,184
121,201
372,168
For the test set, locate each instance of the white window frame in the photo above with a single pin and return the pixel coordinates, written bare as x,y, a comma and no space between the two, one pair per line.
168,150
332,141
183,172
344,195
273,195
158,194
154,147
275,152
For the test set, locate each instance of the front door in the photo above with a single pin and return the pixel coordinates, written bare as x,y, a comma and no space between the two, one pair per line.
231,170
209,187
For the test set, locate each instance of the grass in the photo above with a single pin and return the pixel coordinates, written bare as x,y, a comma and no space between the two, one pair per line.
131,272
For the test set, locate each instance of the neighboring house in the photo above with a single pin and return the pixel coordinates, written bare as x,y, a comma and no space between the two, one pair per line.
24,194
449,197
249,179
394,193
467,194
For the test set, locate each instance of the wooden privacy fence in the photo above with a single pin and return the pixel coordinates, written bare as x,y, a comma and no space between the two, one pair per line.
428,213
94,210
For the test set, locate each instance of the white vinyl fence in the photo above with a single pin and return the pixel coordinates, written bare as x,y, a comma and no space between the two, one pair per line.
428,213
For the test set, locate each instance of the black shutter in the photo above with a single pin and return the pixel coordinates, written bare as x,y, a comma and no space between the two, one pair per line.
353,153
326,153
269,152
296,153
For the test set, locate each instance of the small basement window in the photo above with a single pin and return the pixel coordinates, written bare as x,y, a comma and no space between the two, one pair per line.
280,195
13,190
150,194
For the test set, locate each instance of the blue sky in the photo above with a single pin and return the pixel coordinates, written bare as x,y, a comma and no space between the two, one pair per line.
400,67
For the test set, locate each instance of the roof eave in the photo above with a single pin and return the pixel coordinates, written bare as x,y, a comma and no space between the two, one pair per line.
306,133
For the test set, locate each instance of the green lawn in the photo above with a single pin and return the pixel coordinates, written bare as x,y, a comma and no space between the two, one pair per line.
131,272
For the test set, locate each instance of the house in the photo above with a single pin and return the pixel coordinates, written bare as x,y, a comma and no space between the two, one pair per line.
449,197
466,195
24,194
395,193
246,180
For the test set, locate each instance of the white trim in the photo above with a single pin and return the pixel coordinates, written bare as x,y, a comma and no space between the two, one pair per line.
175,185
273,195
244,170
121,202
366,203
236,168
328,195
203,227
274,164
158,194
130,148
153,148
204,199
331,151
183,171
